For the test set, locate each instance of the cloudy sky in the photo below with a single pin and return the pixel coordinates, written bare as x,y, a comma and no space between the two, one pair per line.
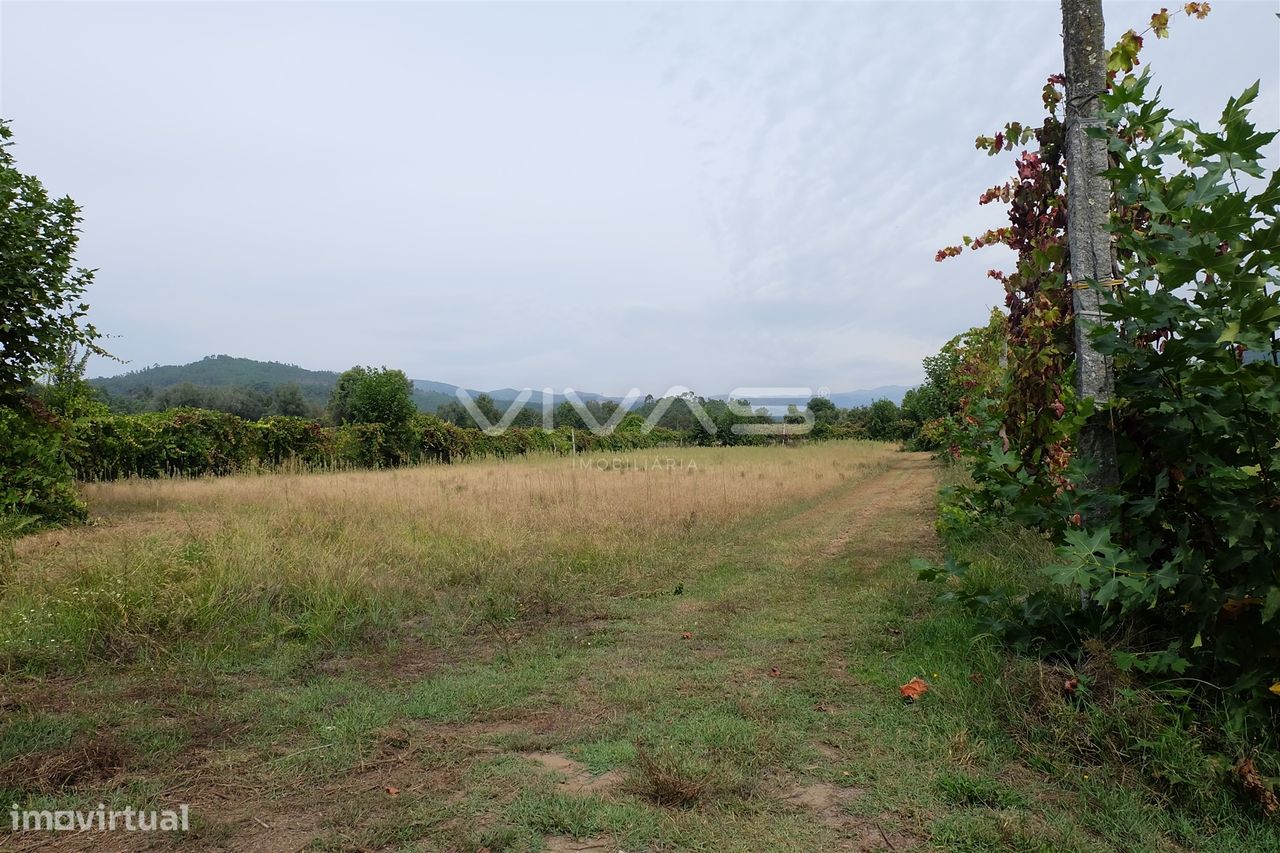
596,195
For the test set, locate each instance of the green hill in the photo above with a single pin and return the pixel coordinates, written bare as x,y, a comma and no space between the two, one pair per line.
218,371
131,391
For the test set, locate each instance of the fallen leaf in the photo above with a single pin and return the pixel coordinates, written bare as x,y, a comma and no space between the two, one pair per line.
914,689
774,671
687,635
392,790
1069,686
1256,788
1275,688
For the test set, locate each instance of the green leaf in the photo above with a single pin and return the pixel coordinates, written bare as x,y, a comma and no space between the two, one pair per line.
1271,605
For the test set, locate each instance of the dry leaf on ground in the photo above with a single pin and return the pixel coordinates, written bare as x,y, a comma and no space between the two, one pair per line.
914,689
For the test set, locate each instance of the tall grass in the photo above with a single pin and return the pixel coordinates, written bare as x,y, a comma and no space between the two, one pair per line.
234,568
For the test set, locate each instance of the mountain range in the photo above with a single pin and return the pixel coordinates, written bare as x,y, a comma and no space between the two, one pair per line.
224,371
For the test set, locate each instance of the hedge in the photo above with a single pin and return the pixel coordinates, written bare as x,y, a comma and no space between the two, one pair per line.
196,442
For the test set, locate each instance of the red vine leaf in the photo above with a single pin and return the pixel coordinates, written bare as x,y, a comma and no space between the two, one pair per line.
914,689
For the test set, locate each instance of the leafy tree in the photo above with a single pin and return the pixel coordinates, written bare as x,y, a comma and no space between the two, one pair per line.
882,421
287,400
63,389
527,417
367,395
42,305
677,413
42,313
567,415
824,411
453,412
485,405
631,423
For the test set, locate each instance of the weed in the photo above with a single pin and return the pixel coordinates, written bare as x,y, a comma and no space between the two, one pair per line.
670,778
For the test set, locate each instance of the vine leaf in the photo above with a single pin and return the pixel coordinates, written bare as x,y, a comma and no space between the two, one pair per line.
1160,24
914,689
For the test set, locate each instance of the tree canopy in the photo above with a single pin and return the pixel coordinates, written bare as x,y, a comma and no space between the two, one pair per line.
42,306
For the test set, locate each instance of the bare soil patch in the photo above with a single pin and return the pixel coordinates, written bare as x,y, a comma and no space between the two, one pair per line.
560,844
828,803
574,775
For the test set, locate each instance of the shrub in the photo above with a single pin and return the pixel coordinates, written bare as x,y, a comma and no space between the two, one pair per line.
35,471
283,440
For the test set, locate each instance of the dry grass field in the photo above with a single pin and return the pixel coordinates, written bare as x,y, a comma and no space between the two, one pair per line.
694,649
339,557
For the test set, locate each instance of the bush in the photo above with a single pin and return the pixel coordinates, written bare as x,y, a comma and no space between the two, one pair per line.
181,442
286,440
35,471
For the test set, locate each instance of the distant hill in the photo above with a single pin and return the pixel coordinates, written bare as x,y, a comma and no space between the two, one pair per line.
504,394
224,371
850,399
842,399
217,371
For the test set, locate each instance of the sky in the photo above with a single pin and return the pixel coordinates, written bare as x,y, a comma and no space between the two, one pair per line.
596,195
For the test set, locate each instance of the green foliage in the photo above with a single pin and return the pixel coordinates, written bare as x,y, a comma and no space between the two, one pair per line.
1189,546
824,411
41,291
41,323
246,403
197,442
1179,555
287,440
62,388
187,442
367,395
1097,705
35,472
289,401
882,421
218,371
566,416
957,405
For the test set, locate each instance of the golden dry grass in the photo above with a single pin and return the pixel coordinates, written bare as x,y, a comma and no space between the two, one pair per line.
315,552
442,518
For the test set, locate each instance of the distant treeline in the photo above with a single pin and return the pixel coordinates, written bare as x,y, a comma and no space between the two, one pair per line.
251,403
197,442
61,430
